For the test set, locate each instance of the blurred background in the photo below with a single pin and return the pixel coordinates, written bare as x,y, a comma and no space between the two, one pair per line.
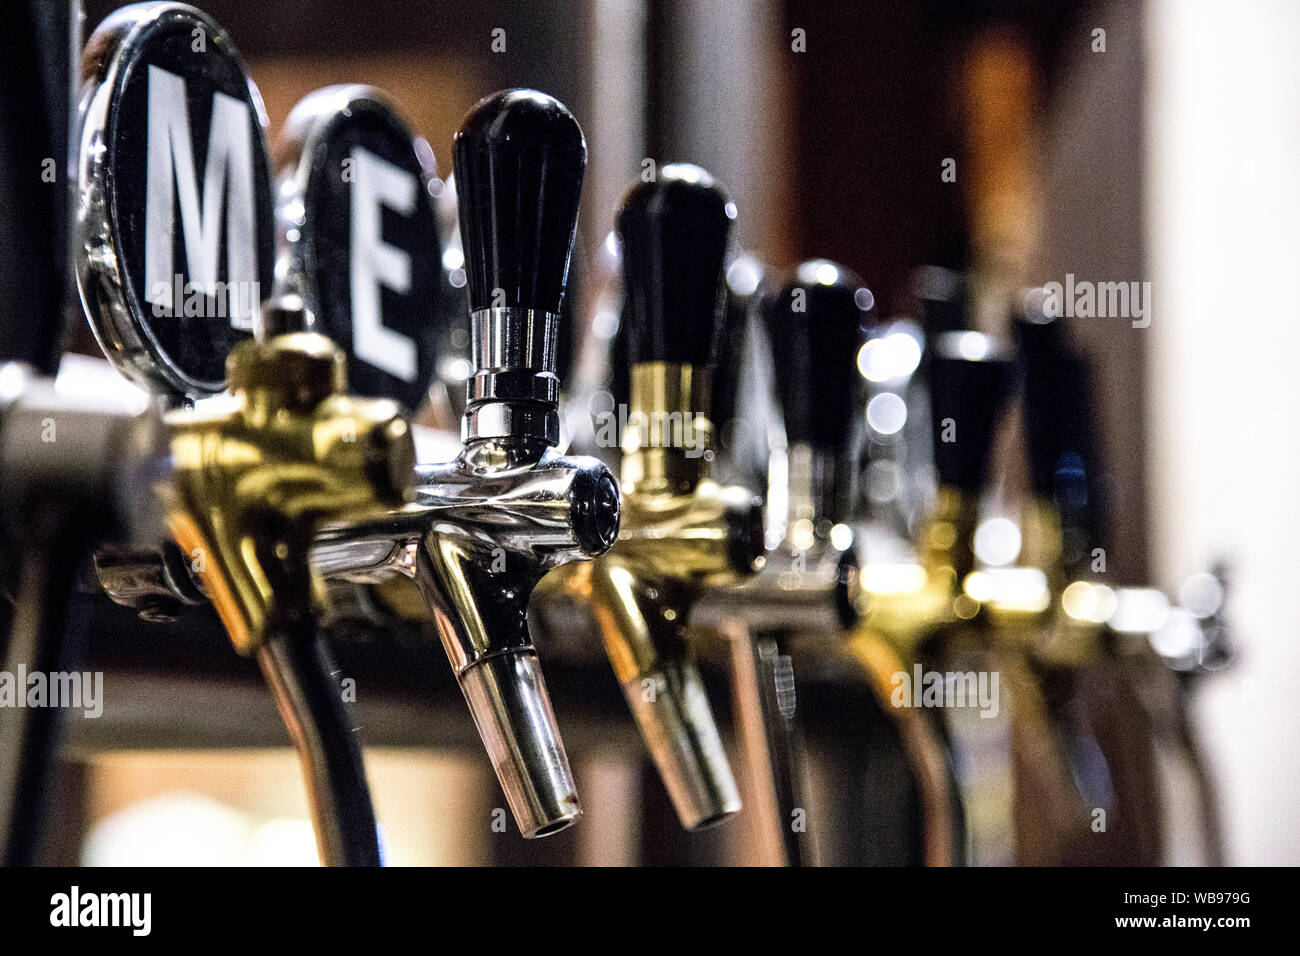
1116,141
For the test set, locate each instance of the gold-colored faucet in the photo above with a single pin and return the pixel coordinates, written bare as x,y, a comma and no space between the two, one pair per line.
919,614
682,534
247,490
250,485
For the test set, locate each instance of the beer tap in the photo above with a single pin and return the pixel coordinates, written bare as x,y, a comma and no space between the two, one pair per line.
816,322
488,525
1117,699
683,534
801,614
967,613
1101,727
248,489
244,484
510,508
970,377
917,609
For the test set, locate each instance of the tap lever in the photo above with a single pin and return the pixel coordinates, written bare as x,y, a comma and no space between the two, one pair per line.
818,322
674,232
941,300
1060,431
971,377
519,157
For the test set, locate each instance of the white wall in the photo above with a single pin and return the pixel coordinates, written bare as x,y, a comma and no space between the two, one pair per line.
1222,210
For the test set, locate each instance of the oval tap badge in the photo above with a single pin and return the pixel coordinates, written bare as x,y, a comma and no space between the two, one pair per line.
359,237
176,217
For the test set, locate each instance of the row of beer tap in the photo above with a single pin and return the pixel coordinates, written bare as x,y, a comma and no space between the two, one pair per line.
802,488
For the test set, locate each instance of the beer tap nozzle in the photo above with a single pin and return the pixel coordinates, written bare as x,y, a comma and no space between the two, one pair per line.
510,508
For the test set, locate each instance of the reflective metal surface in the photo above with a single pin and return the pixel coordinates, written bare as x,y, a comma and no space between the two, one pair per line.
245,491
152,335
682,535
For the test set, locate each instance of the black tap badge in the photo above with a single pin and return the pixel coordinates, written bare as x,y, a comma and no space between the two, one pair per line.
359,237
177,217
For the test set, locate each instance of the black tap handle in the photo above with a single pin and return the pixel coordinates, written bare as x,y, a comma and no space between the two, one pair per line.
39,47
971,379
941,300
674,231
519,158
1060,428
817,323
1055,399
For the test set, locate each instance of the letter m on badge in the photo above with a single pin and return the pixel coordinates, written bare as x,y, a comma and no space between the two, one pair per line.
227,176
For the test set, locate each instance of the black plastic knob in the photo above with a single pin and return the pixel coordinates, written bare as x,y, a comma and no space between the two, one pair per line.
941,299
1060,430
1055,401
594,510
38,48
674,231
519,158
817,323
972,377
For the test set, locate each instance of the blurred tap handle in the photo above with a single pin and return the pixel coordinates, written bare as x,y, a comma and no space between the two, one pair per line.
674,231
519,160
971,378
817,322
1053,395
940,300
39,47
1060,426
